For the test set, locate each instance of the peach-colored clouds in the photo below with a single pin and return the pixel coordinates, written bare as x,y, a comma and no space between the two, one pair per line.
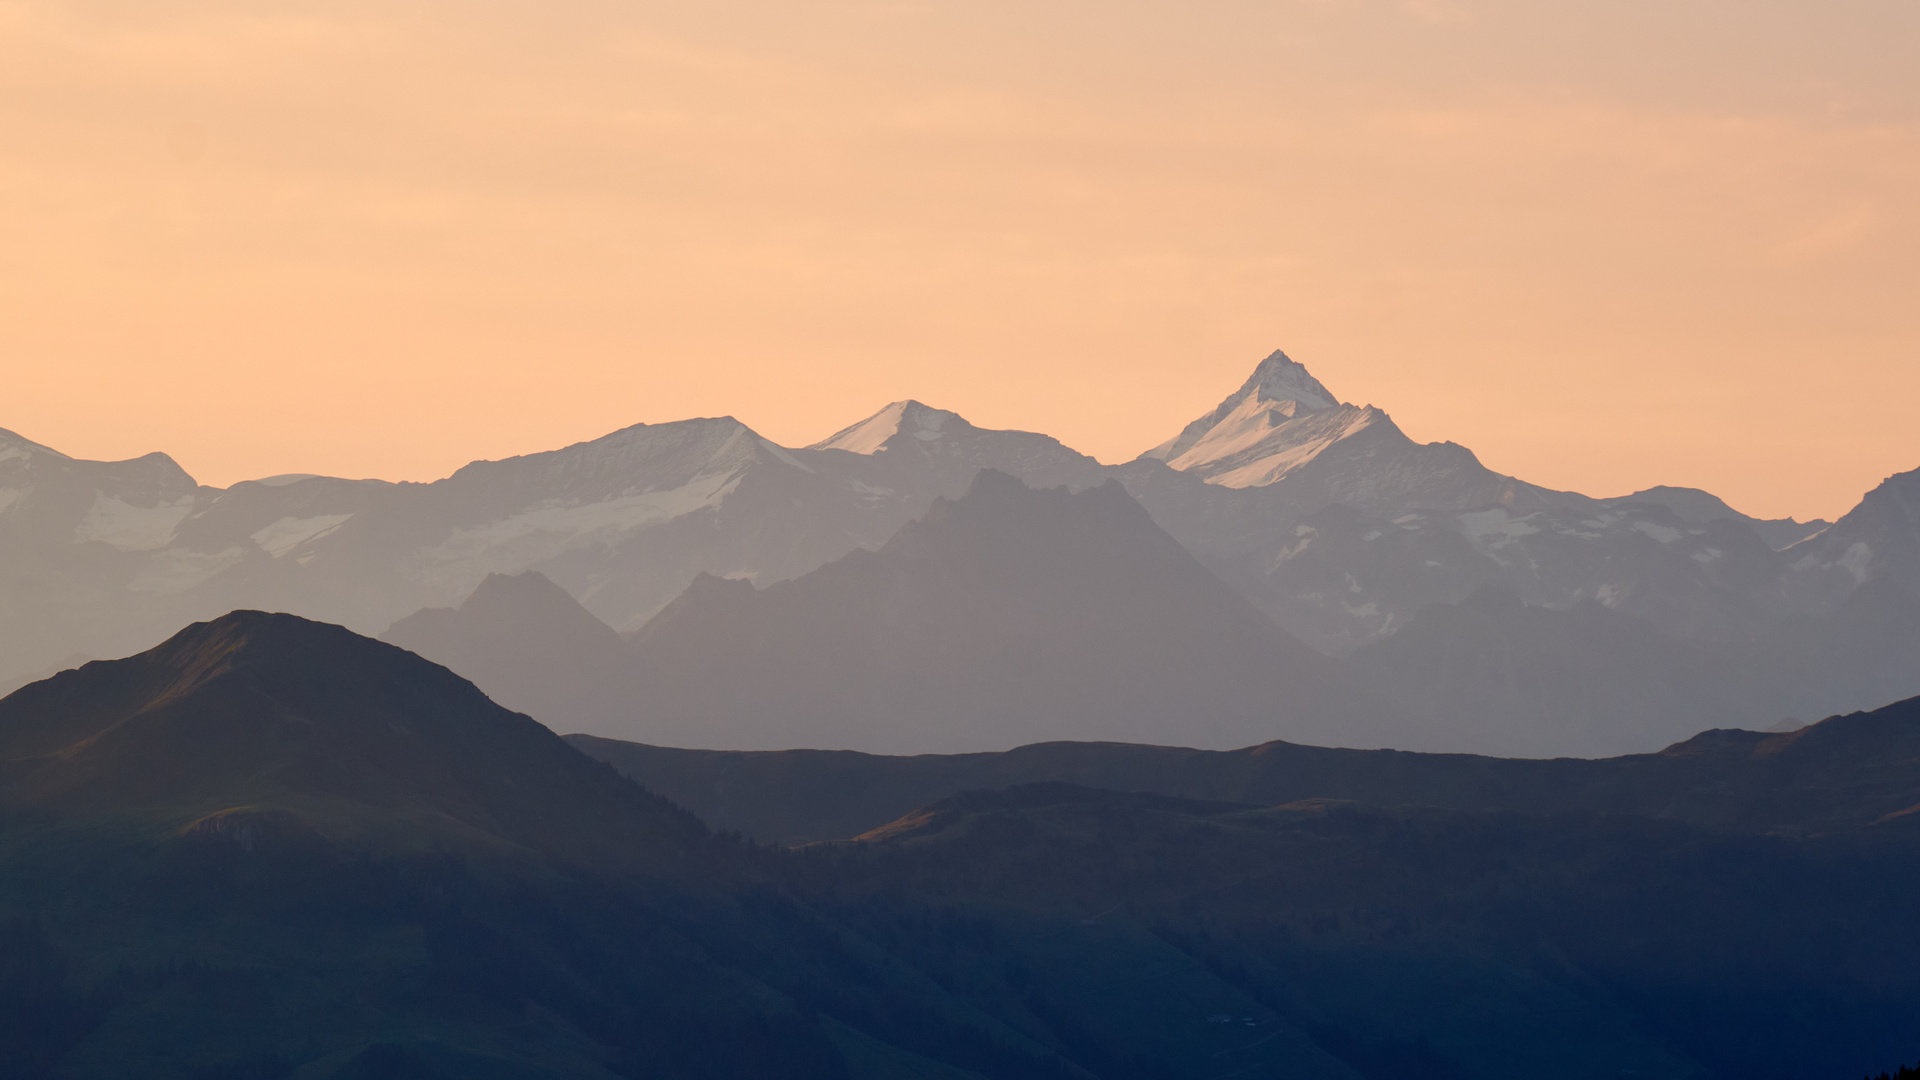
1605,245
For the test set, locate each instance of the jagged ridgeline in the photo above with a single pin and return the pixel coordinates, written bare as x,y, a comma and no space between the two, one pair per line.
1471,610
273,848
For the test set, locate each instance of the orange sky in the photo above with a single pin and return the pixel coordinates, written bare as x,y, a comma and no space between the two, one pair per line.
1605,243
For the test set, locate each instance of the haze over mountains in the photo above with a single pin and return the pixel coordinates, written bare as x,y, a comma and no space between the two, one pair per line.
1321,515
1003,616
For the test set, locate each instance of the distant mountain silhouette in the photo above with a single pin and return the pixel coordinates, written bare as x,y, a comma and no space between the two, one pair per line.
530,646
1487,675
1491,675
1004,616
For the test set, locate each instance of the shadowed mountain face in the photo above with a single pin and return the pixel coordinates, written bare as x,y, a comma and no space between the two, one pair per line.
1422,942
530,646
1843,774
1493,676
1489,675
1004,616
270,848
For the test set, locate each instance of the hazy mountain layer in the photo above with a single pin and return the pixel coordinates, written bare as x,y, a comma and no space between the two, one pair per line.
531,647
764,669
1004,616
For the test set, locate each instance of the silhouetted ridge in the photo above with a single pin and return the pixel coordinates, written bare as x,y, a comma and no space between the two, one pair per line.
1847,774
270,711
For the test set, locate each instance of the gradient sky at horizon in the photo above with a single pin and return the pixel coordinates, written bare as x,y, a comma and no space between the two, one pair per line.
1605,243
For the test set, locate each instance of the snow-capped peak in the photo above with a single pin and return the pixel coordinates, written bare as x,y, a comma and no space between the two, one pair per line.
868,436
1280,378
1278,390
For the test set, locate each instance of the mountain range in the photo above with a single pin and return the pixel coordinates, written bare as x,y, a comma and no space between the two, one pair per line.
1008,615
1013,615
272,848
1320,515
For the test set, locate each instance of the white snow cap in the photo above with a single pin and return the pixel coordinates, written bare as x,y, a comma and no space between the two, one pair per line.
1279,390
1279,378
869,435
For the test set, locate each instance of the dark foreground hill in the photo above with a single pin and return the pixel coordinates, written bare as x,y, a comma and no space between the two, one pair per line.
271,849
1412,942
1842,774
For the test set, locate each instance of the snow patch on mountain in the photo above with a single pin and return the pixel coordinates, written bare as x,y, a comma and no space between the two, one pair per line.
177,570
288,533
1495,527
1666,534
1856,561
552,526
870,435
1291,443
132,528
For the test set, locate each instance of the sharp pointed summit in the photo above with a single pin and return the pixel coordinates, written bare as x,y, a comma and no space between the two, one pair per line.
909,418
1284,425
1280,419
1280,389
1283,379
